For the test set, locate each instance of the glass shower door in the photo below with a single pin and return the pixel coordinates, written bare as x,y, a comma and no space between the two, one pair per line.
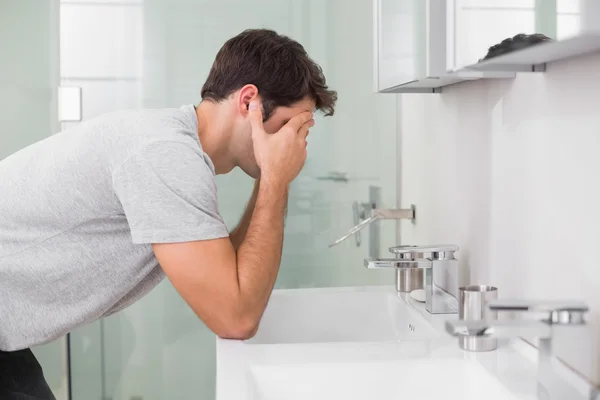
29,80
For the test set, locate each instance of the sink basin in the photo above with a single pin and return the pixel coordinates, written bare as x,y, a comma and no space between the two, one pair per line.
400,379
364,343
318,316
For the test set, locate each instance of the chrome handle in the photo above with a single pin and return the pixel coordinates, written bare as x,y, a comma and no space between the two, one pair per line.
556,312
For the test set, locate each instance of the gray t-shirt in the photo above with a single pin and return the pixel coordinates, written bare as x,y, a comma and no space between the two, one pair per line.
80,209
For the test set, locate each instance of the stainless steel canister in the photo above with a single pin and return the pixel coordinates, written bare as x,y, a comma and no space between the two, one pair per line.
472,305
409,278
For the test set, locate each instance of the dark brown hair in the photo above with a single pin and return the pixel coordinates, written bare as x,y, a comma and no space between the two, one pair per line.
278,66
517,42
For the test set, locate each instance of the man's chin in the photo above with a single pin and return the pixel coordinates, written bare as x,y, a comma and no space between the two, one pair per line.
253,172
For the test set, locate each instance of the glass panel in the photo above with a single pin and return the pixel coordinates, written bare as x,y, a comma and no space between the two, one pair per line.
498,3
402,42
28,112
568,6
28,73
481,24
110,46
479,29
158,348
568,19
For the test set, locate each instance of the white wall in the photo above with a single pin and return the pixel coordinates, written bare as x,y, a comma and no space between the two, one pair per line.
508,170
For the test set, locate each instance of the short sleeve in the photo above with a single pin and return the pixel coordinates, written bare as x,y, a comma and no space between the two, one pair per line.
169,194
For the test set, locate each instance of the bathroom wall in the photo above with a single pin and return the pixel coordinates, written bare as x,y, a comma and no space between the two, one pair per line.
28,72
29,112
508,170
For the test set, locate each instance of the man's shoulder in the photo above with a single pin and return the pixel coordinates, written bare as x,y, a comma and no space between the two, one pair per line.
160,118
130,131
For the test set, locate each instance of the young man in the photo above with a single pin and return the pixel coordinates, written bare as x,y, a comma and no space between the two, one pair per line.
88,214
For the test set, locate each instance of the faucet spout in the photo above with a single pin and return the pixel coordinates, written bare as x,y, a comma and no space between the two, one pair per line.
377,214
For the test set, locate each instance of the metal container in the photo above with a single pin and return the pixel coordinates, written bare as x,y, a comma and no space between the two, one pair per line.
409,278
472,306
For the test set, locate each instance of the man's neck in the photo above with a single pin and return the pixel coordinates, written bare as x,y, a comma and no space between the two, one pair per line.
215,128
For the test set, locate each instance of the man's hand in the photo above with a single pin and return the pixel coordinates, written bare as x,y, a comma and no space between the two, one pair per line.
280,156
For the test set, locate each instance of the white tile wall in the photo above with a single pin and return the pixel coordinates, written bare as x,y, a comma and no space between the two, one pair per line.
508,171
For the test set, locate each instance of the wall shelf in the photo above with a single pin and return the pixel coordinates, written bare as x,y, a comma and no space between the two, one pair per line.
534,59
423,45
420,28
435,84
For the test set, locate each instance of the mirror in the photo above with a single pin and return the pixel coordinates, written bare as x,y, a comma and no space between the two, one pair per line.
485,29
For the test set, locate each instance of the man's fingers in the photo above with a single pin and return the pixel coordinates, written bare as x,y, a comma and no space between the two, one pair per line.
304,129
256,117
299,120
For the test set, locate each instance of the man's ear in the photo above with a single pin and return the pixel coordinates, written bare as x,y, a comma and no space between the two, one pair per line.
246,95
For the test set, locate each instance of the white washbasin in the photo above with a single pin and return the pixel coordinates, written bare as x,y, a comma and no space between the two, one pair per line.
320,316
382,380
364,343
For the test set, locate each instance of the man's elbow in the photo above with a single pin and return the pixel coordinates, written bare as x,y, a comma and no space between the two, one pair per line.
238,329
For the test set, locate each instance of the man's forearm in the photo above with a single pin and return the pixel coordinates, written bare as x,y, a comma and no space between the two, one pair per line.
259,254
238,235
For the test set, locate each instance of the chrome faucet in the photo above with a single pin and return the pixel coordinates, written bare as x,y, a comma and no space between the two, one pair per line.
375,215
568,318
435,269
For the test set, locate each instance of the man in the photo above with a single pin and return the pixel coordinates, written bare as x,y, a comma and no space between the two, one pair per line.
87,215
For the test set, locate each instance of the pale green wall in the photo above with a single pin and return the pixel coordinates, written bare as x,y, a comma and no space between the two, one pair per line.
28,110
28,73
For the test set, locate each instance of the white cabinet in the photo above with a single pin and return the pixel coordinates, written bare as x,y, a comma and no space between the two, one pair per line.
414,52
574,26
402,43
480,24
424,45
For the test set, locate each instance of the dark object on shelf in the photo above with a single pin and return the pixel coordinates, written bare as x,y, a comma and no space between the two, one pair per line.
520,41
